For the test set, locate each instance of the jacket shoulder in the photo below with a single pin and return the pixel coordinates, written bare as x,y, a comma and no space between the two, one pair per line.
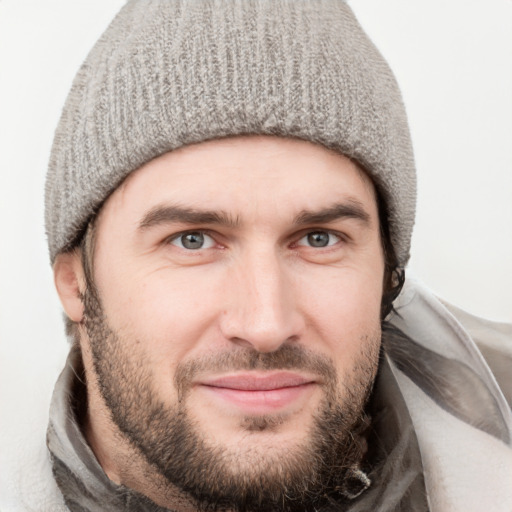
494,340
29,486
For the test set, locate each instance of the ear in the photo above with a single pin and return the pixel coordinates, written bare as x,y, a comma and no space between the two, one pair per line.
69,280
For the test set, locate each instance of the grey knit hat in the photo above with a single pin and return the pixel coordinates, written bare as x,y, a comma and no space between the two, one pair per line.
167,73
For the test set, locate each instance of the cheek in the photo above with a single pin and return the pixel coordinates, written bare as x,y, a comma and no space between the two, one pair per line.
169,310
345,310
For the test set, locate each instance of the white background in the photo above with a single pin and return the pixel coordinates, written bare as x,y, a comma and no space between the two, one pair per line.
453,60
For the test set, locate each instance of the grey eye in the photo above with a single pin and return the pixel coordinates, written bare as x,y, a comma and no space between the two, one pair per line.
193,240
319,239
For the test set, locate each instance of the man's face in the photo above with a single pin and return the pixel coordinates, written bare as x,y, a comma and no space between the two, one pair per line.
234,318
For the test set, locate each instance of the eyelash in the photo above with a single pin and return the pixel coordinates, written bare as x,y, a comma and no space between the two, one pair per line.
182,234
320,231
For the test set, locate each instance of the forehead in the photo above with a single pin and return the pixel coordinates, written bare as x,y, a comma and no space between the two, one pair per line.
250,176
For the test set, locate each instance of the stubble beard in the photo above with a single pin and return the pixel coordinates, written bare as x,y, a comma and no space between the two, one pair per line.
307,476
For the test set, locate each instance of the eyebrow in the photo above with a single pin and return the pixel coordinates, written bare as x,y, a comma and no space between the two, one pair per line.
164,214
351,209
168,213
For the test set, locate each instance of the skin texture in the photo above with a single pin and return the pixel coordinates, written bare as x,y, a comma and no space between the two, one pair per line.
163,326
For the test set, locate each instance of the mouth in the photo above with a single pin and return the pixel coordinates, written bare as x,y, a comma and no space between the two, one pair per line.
259,393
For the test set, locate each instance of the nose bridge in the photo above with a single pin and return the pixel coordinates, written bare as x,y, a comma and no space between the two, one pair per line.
262,309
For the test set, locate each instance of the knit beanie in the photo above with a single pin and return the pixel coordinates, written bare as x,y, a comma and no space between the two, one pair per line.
167,73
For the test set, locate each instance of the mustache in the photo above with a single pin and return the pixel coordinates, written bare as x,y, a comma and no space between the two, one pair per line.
286,357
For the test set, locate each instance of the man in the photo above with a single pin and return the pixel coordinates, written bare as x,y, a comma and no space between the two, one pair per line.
229,208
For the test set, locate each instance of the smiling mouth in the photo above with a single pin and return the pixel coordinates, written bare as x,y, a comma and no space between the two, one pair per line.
259,393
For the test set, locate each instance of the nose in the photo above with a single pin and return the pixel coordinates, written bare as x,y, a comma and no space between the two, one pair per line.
261,307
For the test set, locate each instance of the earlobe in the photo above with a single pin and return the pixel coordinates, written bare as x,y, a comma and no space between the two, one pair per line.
69,281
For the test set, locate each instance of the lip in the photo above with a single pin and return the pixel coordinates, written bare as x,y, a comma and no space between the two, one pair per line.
259,393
